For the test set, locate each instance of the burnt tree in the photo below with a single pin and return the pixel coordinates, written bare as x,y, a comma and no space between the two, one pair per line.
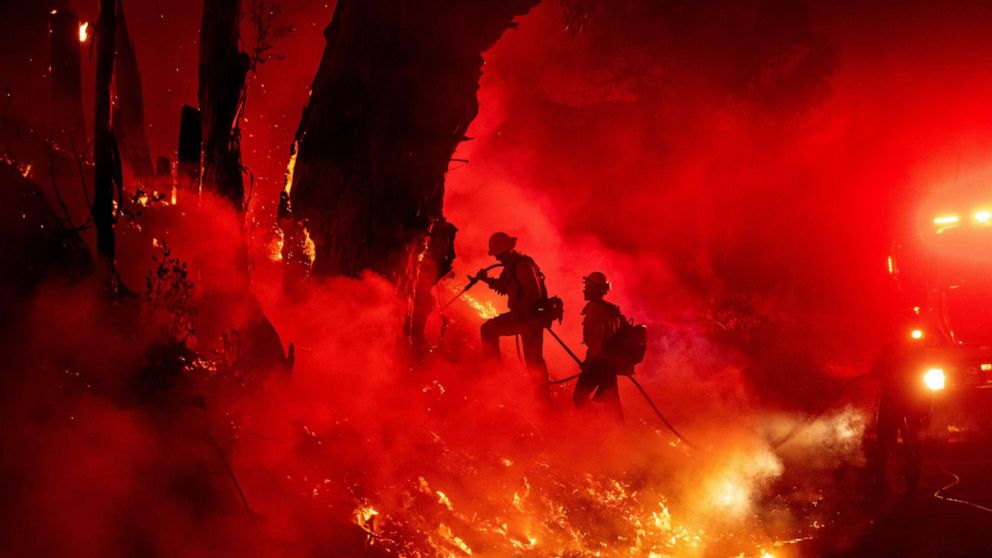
223,70
129,113
68,122
393,96
105,155
190,149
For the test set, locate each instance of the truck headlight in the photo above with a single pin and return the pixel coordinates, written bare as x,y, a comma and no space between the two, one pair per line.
934,379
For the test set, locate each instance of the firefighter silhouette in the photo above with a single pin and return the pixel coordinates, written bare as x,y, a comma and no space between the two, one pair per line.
601,321
902,412
522,282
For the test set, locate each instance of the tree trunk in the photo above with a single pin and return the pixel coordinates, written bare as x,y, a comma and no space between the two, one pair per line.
190,150
223,69
392,98
129,116
68,122
105,160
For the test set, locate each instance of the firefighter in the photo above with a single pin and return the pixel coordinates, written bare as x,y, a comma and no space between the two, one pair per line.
902,411
522,282
598,380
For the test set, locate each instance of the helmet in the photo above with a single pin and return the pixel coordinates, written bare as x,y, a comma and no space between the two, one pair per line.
501,242
597,279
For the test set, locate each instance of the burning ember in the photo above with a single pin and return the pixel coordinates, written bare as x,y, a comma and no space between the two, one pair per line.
84,31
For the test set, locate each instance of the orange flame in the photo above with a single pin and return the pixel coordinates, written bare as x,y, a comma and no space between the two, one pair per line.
291,169
84,31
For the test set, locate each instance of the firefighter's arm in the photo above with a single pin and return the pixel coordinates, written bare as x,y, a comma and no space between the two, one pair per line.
484,277
530,283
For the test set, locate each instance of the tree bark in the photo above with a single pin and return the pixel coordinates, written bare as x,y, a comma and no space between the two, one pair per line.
129,116
223,69
68,122
392,98
105,160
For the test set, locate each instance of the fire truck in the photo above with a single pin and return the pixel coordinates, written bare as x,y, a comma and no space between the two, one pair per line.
944,278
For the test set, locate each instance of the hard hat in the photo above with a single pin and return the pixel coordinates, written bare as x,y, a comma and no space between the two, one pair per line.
598,279
501,242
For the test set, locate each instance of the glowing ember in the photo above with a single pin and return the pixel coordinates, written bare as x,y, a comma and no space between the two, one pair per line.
84,31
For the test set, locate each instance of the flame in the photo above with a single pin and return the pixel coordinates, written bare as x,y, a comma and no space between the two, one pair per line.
485,310
175,194
309,248
448,536
291,168
536,517
364,516
84,31
731,496
275,245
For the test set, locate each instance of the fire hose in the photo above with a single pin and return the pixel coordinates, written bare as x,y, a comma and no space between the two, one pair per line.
637,384
472,280
804,424
939,494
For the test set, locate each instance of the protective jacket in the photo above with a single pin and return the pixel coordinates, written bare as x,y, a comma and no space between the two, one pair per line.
600,322
522,282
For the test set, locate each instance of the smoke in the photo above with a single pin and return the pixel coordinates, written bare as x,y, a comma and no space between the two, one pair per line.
737,171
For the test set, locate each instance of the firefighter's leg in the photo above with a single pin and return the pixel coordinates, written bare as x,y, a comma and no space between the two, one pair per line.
913,446
532,338
584,386
887,432
609,395
493,329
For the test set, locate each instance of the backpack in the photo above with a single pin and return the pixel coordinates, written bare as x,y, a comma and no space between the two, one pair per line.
549,308
627,346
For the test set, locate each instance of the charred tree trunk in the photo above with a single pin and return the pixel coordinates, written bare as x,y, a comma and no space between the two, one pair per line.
223,69
68,122
190,150
163,167
129,116
105,160
392,98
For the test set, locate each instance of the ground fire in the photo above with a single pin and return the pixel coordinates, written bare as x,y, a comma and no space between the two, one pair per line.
559,278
